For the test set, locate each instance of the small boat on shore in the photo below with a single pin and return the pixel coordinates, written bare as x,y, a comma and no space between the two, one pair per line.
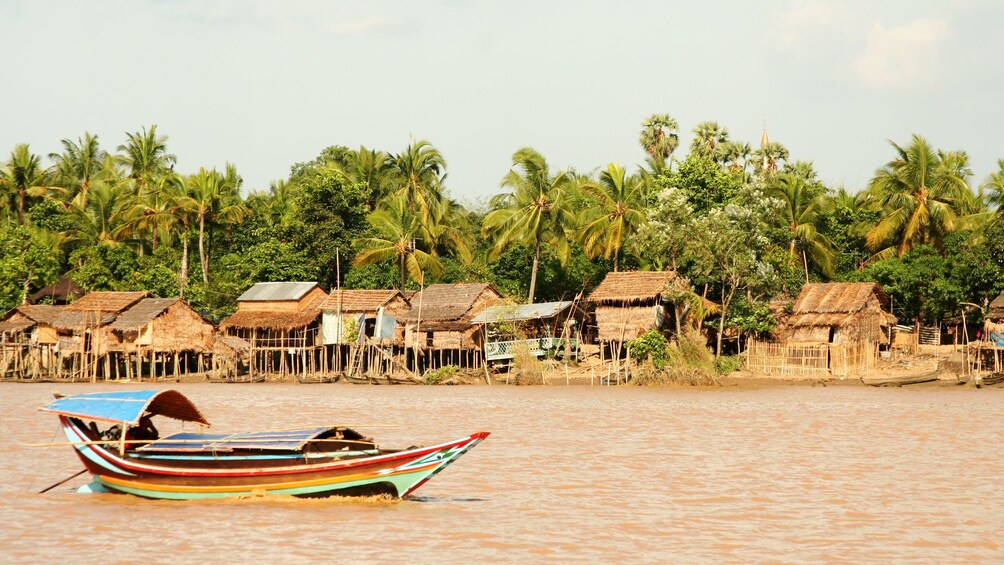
129,457
901,380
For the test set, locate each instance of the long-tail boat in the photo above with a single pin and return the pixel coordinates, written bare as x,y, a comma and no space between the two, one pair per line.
312,462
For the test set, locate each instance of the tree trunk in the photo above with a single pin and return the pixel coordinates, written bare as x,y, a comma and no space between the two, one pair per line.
402,272
184,263
27,282
20,206
721,322
533,274
617,257
805,264
202,249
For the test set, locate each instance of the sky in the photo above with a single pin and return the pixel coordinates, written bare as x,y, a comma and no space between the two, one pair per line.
265,84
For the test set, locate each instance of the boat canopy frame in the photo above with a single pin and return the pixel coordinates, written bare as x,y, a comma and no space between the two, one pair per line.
127,407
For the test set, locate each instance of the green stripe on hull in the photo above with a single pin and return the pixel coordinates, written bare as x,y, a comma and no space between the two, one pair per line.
401,482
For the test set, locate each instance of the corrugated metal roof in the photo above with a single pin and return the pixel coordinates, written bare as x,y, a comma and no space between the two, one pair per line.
275,291
539,311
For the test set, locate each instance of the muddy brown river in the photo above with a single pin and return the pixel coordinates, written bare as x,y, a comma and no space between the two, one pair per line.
610,474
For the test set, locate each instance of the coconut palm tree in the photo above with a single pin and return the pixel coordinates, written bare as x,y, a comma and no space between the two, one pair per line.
993,187
210,199
21,177
709,138
400,229
617,215
145,155
446,230
659,138
97,219
78,164
535,211
921,194
417,174
370,168
800,212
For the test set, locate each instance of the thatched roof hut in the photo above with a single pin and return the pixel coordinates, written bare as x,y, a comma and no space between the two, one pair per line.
107,301
163,324
93,313
443,313
996,312
630,303
373,307
34,319
277,306
839,313
366,302
63,292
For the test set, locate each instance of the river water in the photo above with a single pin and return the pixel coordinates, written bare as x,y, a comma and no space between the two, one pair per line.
625,474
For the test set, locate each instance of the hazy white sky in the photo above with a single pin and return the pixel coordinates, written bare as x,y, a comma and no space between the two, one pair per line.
265,84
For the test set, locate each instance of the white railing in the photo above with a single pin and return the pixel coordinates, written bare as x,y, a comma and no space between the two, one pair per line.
497,350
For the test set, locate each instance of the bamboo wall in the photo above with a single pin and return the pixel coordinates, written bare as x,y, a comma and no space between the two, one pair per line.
809,360
624,323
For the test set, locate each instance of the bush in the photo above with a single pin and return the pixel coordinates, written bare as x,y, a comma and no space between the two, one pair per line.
728,364
650,345
436,376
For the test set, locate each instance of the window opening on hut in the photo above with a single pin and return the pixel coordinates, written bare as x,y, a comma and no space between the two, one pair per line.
429,338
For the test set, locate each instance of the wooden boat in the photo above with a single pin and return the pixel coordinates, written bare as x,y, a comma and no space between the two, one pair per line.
314,462
901,380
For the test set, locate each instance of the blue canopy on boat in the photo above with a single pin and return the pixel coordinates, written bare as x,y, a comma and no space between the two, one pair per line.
292,440
127,406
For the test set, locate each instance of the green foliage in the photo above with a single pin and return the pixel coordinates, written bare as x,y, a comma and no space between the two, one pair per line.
436,376
26,262
705,183
919,283
751,318
650,345
728,364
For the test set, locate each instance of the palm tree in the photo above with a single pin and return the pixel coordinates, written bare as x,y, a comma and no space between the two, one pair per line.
79,163
709,138
400,229
97,219
154,211
535,212
994,187
921,194
446,230
416,175
209,200
20,176
145,154
800,213
659,138
769,157
737,155
370,168
618,213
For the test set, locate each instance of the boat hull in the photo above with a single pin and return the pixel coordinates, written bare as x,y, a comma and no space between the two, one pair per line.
396,474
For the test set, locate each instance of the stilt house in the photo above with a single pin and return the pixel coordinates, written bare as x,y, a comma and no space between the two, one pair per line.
167,332
28,342
628,304
85,335
281,321
439,325
541,328
371,314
